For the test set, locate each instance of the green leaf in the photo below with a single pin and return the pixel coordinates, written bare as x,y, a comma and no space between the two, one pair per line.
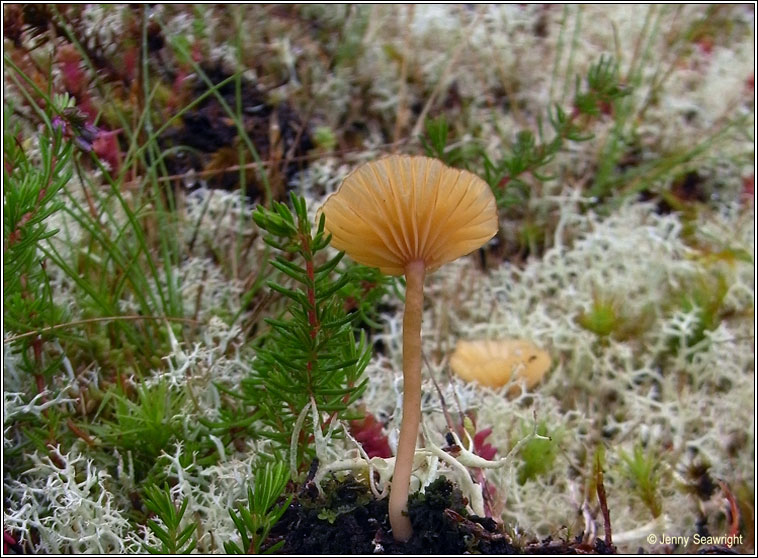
295,295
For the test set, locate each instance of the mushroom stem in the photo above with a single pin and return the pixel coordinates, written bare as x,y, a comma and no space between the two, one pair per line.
406,445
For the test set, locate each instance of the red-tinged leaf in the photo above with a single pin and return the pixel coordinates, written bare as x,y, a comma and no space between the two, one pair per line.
370,434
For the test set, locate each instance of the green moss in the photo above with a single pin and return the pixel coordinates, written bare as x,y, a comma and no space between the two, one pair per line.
324,138
537,455
610,317
642,470
705,295
602,319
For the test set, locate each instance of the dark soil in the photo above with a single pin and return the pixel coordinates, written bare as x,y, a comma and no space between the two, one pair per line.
278,133
349,520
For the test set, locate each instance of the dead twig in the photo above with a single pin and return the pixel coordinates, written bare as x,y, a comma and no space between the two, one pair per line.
48,329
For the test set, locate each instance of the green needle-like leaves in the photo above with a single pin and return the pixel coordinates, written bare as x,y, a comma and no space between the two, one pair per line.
174,539
254,521
310,354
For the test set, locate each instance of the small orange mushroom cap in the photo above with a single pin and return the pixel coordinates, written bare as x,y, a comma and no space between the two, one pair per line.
493,363
400,209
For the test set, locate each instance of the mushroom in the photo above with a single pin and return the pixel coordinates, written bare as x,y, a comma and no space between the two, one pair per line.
494,363
409,215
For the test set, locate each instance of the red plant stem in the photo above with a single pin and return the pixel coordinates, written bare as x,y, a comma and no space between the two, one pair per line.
80,433
311,294
601,497
40,381
251,548
51,445
313,320
406,445
734,510
312,317
39,378
15,235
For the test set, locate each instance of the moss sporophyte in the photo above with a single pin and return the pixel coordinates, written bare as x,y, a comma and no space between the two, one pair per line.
408,216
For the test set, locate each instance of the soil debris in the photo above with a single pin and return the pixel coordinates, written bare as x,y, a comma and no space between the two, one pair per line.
347,519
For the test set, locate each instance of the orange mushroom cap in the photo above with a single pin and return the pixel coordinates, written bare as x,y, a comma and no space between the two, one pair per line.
400,209
493,363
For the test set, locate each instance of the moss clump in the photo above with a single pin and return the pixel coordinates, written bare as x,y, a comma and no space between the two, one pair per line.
538,455
643,470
